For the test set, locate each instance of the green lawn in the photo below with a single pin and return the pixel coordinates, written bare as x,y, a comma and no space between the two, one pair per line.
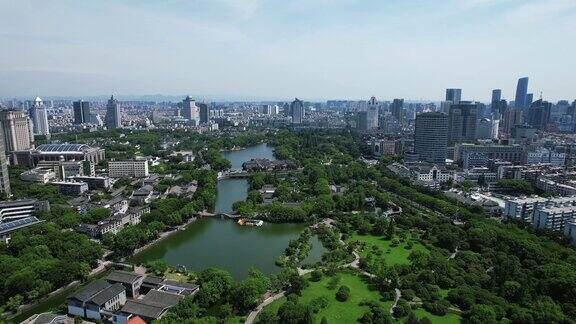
392,255
338,312
449,318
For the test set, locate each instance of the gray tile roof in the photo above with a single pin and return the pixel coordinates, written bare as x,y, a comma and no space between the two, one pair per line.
123,276
105,295
87,292
152,305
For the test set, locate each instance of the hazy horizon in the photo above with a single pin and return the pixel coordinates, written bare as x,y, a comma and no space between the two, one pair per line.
281,49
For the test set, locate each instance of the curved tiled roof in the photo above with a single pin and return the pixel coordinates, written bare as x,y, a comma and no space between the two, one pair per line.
62,147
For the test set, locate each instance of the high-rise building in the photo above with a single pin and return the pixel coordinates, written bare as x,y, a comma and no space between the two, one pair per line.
521,92
297,109
81,112
204,113
190,110
499,108
512,117
397,109
16,128
571,110
4,178
495,102
373,110
539,114
431,137
529,100
454,95
462,122
487,128
496,95
39,117
113,115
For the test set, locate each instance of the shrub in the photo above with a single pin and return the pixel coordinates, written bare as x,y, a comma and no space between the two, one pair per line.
333,283
316,275
319,303
343,294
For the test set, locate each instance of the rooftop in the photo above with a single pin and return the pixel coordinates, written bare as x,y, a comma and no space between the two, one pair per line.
62,148
123,276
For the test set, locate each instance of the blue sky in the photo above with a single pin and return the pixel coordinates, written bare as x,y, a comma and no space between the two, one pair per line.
279,49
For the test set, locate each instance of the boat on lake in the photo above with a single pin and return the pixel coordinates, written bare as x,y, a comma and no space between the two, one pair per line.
250,222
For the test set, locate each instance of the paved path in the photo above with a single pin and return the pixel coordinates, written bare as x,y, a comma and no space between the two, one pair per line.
252,316
453,255
396,299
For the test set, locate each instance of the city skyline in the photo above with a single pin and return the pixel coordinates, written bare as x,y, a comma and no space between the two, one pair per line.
279,50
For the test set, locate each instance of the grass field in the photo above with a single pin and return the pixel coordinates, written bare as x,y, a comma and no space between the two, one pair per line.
446,319
338,312
392,255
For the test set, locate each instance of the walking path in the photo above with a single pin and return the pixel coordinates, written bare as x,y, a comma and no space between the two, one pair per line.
252,316
396,299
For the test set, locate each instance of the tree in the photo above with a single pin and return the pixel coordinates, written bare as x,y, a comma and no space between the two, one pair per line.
267,317
215,285
296,283
294,313
316,275
343,293
390,230
482,314
157,267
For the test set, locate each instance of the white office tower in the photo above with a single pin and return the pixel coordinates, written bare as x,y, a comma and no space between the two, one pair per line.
373,110
39,116
15,125
190,111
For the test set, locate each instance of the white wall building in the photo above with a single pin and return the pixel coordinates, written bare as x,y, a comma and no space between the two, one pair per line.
125,169
554,218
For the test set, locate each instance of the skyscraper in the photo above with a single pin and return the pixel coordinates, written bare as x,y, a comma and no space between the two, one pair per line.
81,112
512,117
16,127
521,91
113,116
454,95
496,95
39,117
529,99
4,178
397,109
462,122
204,113
373,110
297,109
190,111
539,114
431,137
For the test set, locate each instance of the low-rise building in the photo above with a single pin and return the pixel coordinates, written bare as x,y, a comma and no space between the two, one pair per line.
128,169
90,301
143,195
16,209
39,175
131,281
553,218
430,175
555,187
94,182
570,232
153,306
523,208
71,188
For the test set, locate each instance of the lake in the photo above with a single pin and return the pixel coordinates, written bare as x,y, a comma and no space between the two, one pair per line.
224,244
